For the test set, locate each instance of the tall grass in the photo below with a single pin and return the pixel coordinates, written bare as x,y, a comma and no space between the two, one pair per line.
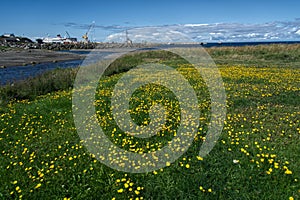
55,80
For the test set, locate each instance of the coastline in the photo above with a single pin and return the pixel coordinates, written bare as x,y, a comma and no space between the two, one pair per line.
34,56
23,57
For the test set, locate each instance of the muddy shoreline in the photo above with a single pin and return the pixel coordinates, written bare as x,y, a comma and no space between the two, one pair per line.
34,56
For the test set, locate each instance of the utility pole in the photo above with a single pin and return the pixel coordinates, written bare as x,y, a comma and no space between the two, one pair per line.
128,40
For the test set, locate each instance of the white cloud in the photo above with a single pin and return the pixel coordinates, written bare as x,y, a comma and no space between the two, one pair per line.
225,32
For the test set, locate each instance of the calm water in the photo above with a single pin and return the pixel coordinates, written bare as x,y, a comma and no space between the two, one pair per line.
11,74
229,44
16,73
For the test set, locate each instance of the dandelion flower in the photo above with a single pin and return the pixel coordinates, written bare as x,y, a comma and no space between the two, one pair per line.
288,171
199,158
120,190
38,185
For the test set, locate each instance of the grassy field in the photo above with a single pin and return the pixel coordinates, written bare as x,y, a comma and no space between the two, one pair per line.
256,157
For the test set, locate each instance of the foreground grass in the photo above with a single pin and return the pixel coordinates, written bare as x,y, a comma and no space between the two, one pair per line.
257,156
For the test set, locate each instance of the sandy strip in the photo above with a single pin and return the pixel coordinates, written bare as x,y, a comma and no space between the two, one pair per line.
34,56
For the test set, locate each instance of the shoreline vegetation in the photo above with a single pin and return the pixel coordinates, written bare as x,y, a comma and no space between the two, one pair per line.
256,156
273,55
221,54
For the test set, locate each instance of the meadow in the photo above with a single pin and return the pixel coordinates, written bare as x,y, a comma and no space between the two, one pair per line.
256,157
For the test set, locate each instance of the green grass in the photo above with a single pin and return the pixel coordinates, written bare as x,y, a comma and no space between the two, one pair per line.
31,88
275,55
256,157
260,56
62,79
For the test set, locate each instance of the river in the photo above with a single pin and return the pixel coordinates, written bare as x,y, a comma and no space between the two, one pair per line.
15,73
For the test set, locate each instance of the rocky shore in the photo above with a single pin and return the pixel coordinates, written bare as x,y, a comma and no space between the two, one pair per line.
69,46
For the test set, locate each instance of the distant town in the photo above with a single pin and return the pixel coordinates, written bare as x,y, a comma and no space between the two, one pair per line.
10,40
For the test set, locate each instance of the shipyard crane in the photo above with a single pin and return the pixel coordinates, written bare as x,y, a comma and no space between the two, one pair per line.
85,36
70,39
68,34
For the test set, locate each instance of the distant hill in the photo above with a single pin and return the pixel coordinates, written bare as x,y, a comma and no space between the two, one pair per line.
11,38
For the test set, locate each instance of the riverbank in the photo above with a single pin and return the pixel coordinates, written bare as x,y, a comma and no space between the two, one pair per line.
34,56
20,57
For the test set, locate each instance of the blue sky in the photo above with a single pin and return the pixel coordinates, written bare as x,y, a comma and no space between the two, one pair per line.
39,18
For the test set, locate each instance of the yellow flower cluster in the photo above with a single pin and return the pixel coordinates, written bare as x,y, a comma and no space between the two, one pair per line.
128,188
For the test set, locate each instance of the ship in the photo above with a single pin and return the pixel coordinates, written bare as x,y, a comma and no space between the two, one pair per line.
59,40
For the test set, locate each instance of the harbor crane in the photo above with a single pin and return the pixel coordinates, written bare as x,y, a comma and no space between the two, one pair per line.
86,35
70,39
68,34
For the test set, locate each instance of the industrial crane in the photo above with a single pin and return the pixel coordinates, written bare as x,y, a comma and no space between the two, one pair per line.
85,36
68,34
70,39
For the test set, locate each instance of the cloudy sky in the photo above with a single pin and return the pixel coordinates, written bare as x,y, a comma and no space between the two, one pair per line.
155,20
